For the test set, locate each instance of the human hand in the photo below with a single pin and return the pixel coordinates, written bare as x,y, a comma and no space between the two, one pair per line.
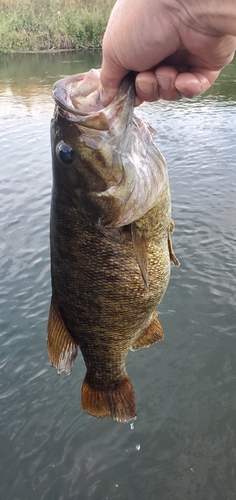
174,50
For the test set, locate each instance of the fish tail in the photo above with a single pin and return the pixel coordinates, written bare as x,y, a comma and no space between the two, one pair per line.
115,400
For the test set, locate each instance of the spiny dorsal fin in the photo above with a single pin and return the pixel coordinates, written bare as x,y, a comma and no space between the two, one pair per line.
140,249
62,349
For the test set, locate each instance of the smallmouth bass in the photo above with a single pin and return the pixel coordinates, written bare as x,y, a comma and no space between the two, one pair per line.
110,239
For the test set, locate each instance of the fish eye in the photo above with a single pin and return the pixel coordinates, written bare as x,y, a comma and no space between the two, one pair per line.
65,153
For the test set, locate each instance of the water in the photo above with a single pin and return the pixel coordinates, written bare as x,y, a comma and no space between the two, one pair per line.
183,444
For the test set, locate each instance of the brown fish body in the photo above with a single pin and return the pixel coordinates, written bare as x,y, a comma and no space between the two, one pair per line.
109,270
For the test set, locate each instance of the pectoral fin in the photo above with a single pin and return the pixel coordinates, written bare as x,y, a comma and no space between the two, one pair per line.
62,349
140,250
173,257
152,334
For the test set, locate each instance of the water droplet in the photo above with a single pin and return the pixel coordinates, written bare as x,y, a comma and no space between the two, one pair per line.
137,447
116,485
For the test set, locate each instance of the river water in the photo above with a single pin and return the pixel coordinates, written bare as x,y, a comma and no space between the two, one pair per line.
183,444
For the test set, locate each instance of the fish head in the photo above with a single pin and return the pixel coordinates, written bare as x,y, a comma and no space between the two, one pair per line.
102,155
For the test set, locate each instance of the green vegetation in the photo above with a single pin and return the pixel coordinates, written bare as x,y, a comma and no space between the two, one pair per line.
32,25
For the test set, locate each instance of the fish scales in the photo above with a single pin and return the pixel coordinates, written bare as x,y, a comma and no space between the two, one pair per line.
108,276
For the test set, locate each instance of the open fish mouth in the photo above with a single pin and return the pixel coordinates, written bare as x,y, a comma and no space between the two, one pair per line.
115,128
79,94
78,100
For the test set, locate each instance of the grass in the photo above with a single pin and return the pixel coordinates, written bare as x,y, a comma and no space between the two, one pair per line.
33,25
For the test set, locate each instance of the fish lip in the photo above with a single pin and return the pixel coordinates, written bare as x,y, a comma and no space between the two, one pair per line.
62,94
64,102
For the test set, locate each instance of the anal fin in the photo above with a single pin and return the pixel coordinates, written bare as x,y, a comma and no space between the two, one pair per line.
115,400
152,334
62,349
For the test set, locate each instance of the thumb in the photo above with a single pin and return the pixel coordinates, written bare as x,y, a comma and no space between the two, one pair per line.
111,77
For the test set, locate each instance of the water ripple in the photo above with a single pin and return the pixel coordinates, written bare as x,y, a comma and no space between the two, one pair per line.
182,445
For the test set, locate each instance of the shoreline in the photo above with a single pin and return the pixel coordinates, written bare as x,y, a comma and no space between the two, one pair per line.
52,51
53,25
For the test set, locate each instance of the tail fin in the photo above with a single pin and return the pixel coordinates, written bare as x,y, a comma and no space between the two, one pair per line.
116,400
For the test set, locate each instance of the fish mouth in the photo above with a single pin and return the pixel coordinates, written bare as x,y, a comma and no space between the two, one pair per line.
136,170
78,100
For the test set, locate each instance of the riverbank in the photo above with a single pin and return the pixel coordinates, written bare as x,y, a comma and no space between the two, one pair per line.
29,25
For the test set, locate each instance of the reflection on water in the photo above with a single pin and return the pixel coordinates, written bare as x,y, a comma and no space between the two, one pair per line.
182,446
27,79
31,75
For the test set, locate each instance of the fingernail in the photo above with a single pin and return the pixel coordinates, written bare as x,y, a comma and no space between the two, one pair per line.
103,97
102,94
164,83
145,87
185,93
107,97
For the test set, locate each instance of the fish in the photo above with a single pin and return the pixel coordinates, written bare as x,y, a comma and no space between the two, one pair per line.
110,239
